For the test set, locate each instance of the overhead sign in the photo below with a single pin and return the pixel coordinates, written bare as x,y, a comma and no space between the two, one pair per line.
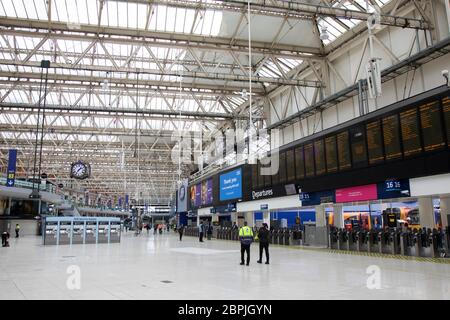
231,185
11,174
360,193
393,188
182,196
317,198
264,207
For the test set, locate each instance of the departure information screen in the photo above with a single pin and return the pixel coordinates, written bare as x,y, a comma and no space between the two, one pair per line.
331,154
290,165
343,151
319,155
282,169
410,132
309,160
374,142
299,163
430,122
446,106
391,135
358,145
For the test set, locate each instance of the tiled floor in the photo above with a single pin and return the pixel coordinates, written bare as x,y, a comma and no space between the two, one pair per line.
137,267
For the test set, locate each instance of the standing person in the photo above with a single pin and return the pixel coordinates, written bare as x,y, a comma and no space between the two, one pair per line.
263,235
17,230
246,239
168,227
180,231
155,228
209,231
200,231
160,227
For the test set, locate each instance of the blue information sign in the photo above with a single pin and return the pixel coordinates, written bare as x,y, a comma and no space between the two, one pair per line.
11,174
231,185
316,198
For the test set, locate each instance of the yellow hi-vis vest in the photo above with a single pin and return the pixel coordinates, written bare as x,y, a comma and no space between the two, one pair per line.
246,235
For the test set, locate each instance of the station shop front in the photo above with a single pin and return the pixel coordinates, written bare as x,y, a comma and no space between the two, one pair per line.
417,203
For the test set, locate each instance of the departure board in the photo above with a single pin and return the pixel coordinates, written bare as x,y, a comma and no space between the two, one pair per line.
309,160
374,142
431,125
255,175
299,163
282,169
267,180
446,107
331,154
319,156
275,174
358,146
343,151
260,176
391,137
290,165
410,132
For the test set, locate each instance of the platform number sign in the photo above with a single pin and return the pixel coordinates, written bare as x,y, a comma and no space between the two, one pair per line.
393,185
11,175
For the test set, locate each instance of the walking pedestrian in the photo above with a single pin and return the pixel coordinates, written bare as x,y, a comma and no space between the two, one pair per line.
17,229
180,231
200,231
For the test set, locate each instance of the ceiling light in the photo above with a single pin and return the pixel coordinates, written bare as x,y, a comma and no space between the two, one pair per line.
324,35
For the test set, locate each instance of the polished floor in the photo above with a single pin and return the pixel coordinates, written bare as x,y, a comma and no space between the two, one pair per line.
161,267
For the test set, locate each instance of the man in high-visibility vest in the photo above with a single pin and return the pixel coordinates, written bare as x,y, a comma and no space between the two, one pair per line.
246,238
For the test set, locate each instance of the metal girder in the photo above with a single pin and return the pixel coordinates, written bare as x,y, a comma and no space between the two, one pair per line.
290,9
153,84
85,110
84,32
186,74
415,61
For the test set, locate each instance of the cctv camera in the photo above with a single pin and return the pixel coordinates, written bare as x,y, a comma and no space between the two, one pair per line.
445,73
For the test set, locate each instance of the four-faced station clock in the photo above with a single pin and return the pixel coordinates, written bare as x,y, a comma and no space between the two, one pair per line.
80,170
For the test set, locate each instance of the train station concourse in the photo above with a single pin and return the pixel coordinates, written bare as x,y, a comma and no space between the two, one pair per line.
203,150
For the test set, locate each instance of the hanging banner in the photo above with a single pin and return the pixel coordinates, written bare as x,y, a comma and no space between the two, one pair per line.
120,202
11,174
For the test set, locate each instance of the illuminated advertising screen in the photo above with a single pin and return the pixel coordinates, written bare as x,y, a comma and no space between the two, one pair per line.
431,124
360,193
207,192
230,185
198,195
192,196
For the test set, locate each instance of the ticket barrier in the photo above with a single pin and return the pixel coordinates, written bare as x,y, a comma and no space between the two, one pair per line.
91,233
65,232
51,233
78,232
287,237
333,238
219,233
372,241
114,236
361,240
235,235
297,237
103,232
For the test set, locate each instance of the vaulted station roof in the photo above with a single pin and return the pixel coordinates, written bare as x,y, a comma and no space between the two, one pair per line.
125,74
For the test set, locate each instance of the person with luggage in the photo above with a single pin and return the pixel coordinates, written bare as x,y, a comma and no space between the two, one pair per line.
17,229
5,239
263,235
180,231
246,239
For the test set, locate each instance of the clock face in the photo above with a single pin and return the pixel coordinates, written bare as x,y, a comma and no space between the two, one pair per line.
79,170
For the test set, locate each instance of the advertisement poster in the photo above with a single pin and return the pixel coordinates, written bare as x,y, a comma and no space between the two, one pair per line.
360,193
231,185
198,195
207,192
